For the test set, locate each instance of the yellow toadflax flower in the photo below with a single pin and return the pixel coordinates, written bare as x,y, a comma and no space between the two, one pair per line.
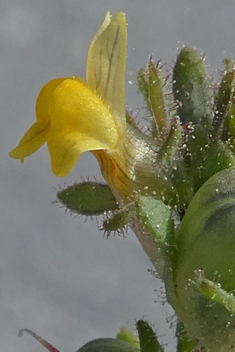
74,116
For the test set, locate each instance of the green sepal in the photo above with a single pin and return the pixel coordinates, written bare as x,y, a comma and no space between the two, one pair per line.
147,337
217,157
168,151
143,85
225,100
131,121
214,293
191,89
184,343
207,156
88,198
229,128
198,144
157,98
171,158
127,335
152,86
158,223
154,227
157,219
117,220
108,345
216,318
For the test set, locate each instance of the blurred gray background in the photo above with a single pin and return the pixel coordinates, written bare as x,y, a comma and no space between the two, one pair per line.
58,275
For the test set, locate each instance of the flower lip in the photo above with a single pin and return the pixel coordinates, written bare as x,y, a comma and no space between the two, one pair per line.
74,116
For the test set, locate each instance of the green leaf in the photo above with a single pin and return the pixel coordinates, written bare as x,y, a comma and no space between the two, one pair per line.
88,198
191,89
147,337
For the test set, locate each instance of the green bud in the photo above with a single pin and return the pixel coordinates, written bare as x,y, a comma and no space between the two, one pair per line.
88,198
147,337
206,242
108,345
191,88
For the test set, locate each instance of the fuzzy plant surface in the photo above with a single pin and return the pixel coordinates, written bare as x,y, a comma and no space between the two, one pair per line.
125,341
175,186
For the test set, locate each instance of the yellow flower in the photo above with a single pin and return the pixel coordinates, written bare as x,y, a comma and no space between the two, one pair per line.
74,116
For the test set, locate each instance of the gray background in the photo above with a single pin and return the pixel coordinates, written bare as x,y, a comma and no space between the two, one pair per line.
58,275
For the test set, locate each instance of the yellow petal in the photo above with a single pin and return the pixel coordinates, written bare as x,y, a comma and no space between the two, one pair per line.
65,149
115,171
106,65
33,139
75,109
105,24
44,98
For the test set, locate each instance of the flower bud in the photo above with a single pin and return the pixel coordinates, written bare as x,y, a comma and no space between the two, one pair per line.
191,88
203,265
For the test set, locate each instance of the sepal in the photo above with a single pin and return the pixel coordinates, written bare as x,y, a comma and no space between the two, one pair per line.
88,198
192,89
147,337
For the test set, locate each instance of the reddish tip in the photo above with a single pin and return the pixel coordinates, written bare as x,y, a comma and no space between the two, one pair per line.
39,339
